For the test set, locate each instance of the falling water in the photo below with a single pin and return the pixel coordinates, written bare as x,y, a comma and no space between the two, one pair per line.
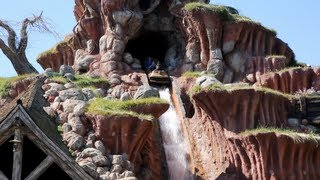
173,142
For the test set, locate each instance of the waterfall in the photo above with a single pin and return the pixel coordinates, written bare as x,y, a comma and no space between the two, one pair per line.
173,142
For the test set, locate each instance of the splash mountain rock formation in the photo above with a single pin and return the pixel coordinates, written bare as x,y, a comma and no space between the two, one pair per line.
246,108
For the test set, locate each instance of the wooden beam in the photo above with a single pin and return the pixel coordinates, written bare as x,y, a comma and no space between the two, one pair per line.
40,139
9,120
40,169
2,176
17,152
5,136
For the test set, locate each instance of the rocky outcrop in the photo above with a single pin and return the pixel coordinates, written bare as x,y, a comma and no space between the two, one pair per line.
246,108
273,155
61,54
15,87
224,43
219,151
292,80
210,127
134,136
122,134
138,138
258,66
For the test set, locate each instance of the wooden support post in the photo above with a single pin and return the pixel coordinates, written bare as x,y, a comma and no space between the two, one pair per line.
17,151
2,176
40,169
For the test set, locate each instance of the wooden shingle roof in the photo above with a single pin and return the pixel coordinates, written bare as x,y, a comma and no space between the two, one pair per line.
28,107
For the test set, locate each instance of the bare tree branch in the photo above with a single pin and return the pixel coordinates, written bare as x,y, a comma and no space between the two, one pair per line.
16,50
11,37
6,50
23,32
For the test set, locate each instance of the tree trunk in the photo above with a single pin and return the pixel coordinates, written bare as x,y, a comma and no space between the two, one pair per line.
23,66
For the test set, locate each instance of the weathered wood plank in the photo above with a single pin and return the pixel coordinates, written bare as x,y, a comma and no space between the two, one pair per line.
9,120
51,149
2,176
40,169
17,154
6,135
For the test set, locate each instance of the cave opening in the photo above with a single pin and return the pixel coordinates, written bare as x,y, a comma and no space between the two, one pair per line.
149,44
31,158
145,4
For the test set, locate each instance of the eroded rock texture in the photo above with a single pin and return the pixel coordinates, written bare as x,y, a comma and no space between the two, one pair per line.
115,37
272,155
112,39
227,48
61,54
292,80
247,108
219,151
138,138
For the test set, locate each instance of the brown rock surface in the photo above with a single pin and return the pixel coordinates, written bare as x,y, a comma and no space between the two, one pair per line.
136,137
273,156
244,108
211,126
258,66
61,54
235,42
291,80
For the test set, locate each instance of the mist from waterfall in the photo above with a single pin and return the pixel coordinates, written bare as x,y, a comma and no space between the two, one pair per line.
173,142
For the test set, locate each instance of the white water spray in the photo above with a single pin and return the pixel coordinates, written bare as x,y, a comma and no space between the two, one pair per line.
173,142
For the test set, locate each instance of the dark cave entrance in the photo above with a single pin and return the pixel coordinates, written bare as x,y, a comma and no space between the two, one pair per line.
148,44
32,157
145,4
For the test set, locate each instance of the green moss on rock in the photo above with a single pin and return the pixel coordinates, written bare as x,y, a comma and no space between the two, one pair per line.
100,106
226,13
240,86
5,83
81,80
296,136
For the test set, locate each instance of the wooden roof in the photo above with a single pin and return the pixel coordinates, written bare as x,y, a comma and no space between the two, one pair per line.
28,107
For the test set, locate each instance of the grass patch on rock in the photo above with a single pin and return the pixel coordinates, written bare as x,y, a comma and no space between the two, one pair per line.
54,49
81,80
5,83
240,86
226,13
100,106
296,136
191,74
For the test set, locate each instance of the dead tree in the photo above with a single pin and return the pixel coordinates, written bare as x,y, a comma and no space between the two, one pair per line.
15,49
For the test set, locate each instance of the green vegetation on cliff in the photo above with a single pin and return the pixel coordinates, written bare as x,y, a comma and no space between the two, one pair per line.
239,86
226,13
62,44
193,74
5,83
81,80
102,106
296,136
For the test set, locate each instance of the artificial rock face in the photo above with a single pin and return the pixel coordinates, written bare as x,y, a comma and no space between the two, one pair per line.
106,29
112,38
180,37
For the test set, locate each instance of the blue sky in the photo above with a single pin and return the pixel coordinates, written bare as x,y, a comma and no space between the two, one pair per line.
297,23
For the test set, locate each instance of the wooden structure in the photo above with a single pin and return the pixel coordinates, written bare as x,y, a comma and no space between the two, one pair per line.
308,108
25,118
